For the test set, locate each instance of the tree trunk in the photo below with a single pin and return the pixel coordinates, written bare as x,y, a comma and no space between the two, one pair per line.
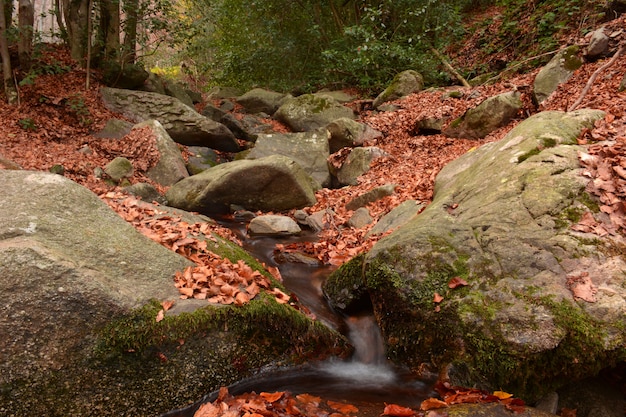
7,73
26,21
110,28
76,13
131,8
58,13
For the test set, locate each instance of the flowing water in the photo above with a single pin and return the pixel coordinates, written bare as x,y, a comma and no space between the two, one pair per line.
367,380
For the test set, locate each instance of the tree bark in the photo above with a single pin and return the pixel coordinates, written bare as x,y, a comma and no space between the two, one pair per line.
26,22
7,73
110,28
76,13
131,9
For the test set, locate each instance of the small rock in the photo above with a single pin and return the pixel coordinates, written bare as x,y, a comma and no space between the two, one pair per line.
360,218
272,224
119,168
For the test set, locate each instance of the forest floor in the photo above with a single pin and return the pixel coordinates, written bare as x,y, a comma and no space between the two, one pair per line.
56,118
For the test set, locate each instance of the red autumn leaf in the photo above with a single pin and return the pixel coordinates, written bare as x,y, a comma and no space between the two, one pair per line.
457,282
396,410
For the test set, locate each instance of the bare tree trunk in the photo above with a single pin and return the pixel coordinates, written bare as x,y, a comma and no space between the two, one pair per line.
26,21
58,13
110,28
131,8
76,13
7,73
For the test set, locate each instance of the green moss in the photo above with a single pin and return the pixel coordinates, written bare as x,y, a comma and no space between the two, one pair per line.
548,142
345,288
590,202
139,332
525,156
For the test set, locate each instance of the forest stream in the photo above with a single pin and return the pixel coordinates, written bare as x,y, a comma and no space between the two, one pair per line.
367,380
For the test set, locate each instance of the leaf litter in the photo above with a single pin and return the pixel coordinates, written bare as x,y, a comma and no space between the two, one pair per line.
40,133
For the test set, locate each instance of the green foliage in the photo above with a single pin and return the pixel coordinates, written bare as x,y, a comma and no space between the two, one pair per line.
53,68
27,124
303,45
76,105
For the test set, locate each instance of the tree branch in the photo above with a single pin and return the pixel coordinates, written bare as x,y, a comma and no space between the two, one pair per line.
594,76
445,62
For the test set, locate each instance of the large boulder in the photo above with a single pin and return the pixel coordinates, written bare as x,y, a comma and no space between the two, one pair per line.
556,72
170,168
80,334
543,305
308,149
403,84
346,132
259,100
311,112
488,116
273,183
182,123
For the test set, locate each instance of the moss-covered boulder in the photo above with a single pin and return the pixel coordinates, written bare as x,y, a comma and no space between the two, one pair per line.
557,71
500,221
488,116
311,112
272,183
80,335
403,84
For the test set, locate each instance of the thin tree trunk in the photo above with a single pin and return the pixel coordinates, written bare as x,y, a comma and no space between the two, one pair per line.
450,68
7,73
76,17
58,13
131,8
26,22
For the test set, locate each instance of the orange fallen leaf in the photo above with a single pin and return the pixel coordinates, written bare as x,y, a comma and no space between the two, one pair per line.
437,298
502,395
342,407
160,315
432,403
167,304
207,410
272,397
396,410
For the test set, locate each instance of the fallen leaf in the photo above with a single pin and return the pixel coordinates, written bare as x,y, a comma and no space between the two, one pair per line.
342,407
432,403
207,410
396,410
437,298
160,315
272,396
502,395
457,282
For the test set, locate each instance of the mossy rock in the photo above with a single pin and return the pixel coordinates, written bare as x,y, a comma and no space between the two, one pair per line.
310,112
516,326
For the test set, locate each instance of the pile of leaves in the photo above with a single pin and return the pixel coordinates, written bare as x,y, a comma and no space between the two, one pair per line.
284,404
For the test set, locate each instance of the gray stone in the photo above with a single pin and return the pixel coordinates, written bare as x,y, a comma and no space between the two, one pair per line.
346,132
397,217
260,100
273,225
146,192
360,218
557,71
311,112
119,168
114,129
182,123
488,116
403,84
273,183
170,167
357,164
219,92
371,196
598,44
308,149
